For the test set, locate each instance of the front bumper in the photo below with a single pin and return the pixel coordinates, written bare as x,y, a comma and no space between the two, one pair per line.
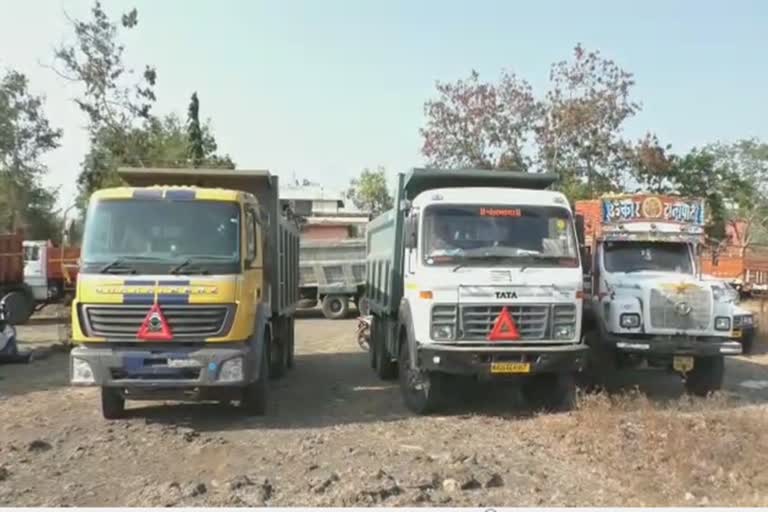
673,345
163,366
477,359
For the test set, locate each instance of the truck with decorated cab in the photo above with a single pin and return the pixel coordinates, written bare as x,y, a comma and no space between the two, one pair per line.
647,305
475,274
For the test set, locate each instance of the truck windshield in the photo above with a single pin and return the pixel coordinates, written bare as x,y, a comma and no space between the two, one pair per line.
161,231
647,256
527,235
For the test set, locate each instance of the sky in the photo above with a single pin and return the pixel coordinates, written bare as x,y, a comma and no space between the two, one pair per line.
322,89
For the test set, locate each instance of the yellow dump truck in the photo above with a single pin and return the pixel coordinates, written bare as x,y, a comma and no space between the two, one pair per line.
187,289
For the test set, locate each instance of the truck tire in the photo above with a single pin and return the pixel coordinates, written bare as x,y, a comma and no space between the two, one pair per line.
291,342
706,376
254,398
112,403
552,392
601,372
385,367
363,307
422,391
335,307
278,351
19,306
748,342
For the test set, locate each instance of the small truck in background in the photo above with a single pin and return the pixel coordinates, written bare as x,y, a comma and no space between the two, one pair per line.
187,289
648,306
332,273
33,274
475,273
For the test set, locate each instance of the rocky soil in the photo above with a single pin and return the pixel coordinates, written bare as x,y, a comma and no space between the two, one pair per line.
337,436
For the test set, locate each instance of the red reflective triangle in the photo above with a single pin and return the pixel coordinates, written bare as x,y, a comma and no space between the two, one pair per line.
504,329
155,327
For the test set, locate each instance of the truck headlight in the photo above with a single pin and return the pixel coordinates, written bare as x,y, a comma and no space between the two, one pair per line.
564,332
629,320
82,372
442,332
722,323
231,370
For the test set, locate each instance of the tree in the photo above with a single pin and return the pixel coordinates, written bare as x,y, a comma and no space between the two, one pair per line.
580,137
480,125
653,165
115,102
194,132
369,192
746,162
700,174
25,136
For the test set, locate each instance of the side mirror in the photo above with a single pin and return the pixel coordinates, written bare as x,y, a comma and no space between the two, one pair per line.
412,232
580,229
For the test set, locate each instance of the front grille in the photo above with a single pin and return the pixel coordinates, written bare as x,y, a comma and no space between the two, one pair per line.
665,309
444,314
532,320
185,321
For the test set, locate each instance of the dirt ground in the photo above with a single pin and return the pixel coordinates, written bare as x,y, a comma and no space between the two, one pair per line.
337,436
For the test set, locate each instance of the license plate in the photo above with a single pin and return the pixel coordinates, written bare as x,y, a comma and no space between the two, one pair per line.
506,367
183,363
737,333
682,364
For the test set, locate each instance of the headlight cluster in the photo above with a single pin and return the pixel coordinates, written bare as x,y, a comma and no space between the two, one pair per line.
442,332
564,321
722,323
743,321
629,320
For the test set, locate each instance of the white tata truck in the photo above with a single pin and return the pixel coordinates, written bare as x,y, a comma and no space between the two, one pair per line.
648,306
476,273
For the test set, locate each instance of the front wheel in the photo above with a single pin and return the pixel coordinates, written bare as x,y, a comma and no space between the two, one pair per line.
422,391
112,403
551,392
254,399
706,376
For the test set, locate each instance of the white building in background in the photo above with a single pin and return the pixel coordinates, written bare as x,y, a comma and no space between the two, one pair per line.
327,214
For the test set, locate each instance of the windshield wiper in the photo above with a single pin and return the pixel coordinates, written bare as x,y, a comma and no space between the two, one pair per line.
187,268
491,258
117,266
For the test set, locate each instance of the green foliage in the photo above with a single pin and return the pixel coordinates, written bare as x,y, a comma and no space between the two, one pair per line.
25,136
194,132
369,192
123,130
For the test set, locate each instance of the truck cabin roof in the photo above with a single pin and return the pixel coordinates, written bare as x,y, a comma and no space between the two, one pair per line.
421,180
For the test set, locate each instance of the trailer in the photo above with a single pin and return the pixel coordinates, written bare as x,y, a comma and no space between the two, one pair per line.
332,273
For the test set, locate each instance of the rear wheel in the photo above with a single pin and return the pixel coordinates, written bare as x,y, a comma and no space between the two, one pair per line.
422,391
706,376
254,398
335,307
112,403
385,366
552,392
291,342
278,353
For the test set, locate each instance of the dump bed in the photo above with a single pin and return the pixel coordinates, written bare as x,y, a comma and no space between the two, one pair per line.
282,234
63,263
332,266
385,233
11,259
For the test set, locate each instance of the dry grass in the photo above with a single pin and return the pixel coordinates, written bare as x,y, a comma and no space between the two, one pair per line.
689,451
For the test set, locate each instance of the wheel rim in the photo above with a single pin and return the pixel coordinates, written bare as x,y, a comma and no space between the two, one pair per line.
335,306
